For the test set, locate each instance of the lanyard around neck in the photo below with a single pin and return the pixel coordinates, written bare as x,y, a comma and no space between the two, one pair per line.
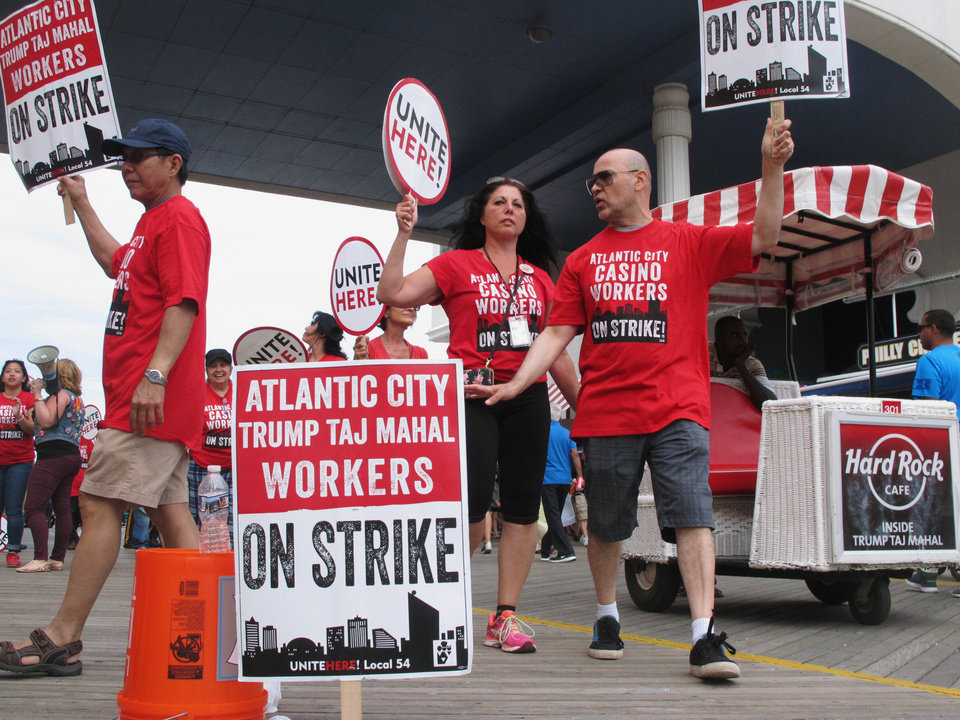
513,294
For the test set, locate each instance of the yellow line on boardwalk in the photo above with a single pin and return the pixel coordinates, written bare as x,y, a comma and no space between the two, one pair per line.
779,662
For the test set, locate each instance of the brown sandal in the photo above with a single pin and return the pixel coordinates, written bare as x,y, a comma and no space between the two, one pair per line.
53,657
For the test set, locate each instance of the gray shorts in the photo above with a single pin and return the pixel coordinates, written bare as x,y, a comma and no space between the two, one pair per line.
679,457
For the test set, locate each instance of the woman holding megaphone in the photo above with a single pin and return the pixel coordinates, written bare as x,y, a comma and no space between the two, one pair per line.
59,424
16,452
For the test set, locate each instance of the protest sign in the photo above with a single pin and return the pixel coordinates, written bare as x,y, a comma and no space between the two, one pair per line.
268,345
353,286
57,96
91,422
352,533
416,142
752,51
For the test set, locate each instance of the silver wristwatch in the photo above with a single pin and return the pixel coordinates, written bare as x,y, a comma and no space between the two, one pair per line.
155,376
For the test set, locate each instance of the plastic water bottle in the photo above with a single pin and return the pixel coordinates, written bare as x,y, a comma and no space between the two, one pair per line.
214,511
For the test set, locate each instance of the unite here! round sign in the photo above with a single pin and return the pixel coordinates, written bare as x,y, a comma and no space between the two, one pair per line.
416,142
353,286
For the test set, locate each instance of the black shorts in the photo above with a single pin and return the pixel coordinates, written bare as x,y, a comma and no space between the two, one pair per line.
512,435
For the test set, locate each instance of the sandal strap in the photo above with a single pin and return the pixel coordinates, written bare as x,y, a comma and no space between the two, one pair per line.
48,651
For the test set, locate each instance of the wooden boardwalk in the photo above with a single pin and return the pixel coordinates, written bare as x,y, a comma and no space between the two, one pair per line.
799,658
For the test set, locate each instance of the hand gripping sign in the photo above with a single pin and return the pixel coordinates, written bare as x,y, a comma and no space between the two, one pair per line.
353,286
416,142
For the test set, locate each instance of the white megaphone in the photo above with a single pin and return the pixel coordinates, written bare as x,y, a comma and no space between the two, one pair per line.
45,358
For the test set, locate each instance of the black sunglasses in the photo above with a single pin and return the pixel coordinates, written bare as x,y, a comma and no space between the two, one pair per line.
604,178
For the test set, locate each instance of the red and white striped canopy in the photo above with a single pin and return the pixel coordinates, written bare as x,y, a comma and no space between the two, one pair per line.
827,212
556,398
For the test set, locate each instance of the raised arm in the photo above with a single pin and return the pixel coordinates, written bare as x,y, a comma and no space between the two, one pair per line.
102,244
776,150
419,287
49,411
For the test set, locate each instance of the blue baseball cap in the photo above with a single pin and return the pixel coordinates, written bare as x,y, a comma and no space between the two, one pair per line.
151,133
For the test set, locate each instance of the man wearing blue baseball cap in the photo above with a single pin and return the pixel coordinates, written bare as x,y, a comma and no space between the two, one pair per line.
153,351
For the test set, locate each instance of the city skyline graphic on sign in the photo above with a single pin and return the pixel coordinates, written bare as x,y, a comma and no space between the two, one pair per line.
355,649
776,81
64,159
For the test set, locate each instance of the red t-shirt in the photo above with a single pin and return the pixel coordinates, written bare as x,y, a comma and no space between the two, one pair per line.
15,445
642,297
376,351
166,262
475,299
215,448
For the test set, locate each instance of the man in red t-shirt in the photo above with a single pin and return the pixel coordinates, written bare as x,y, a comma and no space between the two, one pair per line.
639,293
152,353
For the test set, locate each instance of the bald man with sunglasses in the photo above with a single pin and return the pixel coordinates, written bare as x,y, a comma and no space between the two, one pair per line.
639,291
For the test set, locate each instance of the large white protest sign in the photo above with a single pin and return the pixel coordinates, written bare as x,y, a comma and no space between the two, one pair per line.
416,142
263,345
353,285
753,51
352,533
57,96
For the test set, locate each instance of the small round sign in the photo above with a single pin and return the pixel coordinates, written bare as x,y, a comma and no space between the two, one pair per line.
416,142
91,421
263,345
353,286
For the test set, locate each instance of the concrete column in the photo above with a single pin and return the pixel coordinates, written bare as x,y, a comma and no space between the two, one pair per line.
671,132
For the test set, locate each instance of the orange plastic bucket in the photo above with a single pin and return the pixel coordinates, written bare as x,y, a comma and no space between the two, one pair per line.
182,632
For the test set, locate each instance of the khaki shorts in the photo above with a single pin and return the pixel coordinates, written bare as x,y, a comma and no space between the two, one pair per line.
141,470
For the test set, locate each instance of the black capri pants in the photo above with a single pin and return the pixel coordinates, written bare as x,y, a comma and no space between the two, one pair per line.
514,434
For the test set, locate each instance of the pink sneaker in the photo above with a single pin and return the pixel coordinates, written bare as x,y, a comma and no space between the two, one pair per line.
509,634
13,560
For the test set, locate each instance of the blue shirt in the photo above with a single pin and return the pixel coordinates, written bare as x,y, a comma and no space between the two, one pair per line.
558,455
938,375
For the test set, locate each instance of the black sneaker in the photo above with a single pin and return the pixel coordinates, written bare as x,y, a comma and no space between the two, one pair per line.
922,581
563,558
606,644
707,659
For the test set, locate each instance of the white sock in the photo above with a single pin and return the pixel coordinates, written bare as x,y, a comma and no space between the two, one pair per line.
700,627
608,611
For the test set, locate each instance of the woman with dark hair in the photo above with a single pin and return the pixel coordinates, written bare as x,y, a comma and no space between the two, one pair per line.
323,337
59,423
16,452
391,345
496,292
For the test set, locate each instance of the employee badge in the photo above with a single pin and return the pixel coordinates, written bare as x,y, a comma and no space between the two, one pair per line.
519,332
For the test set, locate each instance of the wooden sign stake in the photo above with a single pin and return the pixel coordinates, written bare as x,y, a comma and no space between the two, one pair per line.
351,700
69,217
776,114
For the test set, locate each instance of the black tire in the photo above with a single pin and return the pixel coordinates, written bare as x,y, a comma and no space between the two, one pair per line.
653,586
955,571
831,593
870,601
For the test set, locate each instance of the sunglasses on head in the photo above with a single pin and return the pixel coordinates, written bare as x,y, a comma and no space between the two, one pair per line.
504,180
